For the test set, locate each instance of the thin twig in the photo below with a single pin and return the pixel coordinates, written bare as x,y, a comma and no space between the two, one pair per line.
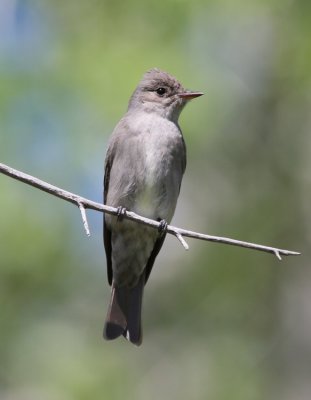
182,240
84,219
84,203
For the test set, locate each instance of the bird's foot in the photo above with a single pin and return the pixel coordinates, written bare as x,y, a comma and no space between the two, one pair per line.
121,211
162,229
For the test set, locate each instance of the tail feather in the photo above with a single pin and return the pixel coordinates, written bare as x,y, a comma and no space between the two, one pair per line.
116,316
124,313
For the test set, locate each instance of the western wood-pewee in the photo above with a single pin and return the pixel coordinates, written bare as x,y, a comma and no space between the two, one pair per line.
144,165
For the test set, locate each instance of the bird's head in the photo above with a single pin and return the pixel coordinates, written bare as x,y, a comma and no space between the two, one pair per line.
160,93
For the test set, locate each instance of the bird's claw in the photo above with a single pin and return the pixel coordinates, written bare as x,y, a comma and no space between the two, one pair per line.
121,211
162,229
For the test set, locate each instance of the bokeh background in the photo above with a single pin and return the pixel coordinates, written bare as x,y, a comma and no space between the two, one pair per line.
219,322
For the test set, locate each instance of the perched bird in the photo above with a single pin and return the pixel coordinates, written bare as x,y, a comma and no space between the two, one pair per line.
144,166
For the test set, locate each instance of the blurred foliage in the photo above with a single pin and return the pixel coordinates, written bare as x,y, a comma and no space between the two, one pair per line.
219,322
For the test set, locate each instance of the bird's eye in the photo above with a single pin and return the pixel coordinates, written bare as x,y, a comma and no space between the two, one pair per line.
161,91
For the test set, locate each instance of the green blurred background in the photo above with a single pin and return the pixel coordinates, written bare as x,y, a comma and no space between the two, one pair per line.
219,322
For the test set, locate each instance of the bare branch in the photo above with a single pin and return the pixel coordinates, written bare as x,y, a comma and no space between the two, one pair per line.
84,203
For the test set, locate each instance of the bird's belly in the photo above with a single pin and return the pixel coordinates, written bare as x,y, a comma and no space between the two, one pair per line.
132,246
144,203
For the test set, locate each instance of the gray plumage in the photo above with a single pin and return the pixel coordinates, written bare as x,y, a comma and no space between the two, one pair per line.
144,165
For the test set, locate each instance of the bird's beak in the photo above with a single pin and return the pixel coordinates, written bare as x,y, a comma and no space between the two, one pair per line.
188,95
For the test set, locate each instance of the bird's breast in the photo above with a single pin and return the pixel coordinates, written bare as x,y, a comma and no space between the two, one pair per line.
159,153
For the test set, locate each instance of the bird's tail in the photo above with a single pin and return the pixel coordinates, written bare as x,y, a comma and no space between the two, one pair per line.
124,313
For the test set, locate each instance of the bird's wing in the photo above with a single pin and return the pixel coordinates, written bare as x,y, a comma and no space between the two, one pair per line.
157,247
107,232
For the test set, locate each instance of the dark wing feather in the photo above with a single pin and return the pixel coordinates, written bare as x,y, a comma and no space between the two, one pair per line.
107,232
157,247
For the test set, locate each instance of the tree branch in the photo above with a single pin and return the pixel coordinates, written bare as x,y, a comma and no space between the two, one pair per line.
84,203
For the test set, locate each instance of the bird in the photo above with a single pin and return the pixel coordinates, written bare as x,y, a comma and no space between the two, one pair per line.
144,166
